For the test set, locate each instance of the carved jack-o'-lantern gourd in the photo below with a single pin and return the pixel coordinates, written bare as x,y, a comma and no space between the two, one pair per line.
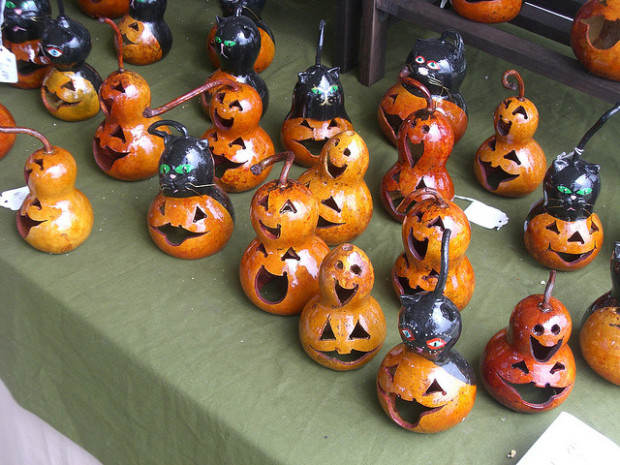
439,64
191,217
237,141
104,8
528,366
425,142
122,146
279,270
417,269
337,182
594,37
21,35
599,337
423,384
487,11
69,89
146,35
343,326
511,163
561,230
55,217
6,139
253,9
317,110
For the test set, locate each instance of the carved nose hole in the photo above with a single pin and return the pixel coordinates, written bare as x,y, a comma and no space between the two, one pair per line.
576,238
437,223
288,207
434,388
119,87
346,152
69,85
199,215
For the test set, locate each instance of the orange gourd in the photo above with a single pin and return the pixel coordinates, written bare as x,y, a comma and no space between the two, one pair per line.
6,140
487,11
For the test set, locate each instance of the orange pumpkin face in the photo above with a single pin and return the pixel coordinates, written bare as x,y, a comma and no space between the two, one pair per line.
236,111
594,38
6,140
69,95
516,120
125,95
343,328
487,11
141,47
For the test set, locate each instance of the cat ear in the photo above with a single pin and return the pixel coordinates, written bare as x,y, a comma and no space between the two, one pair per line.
459,46
407,300
218,21
591,168
303,77
334,72
559,164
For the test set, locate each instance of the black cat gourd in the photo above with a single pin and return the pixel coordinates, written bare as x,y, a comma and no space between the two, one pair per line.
191,217
439,64
146,35
562,231
317,112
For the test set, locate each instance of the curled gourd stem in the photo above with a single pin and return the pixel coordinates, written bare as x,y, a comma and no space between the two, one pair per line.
443,273
511,86
405,79
47,147
419,195
288,157
598,125
319,46
118,41
150,112
544,306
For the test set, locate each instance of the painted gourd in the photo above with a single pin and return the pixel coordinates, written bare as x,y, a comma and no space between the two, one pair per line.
317,110
279,270
423,384
487,11
22,29
343,326
511,163
238,42
122,146
425,142
236,140
528,366
562,231
55,217
191,217
417,269
599,337
253,9
594,37
104,8
69,89
337,182
6,139
146,35
439,64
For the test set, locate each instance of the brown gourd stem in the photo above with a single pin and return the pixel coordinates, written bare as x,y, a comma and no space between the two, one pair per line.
598,125
288,157
47,147
544,306
150,112
443,271
421,194
118,41
405,79
510,86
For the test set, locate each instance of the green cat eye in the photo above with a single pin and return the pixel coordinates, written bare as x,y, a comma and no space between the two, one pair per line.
164,169
230,43
183,169
584,191
9,5
333,88
316,90
564,190
217,40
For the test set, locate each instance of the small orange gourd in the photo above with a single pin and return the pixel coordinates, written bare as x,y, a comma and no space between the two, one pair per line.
487,11
343,326
6,140
104,8
337,182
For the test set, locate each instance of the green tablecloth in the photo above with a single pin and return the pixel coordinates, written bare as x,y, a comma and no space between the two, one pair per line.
146,359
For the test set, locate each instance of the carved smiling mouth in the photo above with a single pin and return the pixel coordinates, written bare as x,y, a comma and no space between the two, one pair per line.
25,223
335,171
324,224
343,294
273,233
573,258
535,396
352,358
543,353
56,102
222,123
495,175
176,235
105,156
407,413
271,288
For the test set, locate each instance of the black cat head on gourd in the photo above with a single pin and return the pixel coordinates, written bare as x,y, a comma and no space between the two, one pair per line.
429,323
148,10
237,43
24,19
65,41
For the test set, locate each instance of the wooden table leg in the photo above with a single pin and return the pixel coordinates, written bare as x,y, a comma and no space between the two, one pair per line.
374,36
348,23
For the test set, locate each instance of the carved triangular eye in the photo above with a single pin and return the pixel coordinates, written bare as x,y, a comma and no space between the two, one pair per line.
199,215
593,228
327,334
359,332
557,367
521,366
119,87
238,141
39,161
333,124
520,110
512,156
576,237
288,207
331,203
236,104
37,203
305,124
162,208
433,388
69,85
437,223
135,26
261,249
553,227
264,202
421,184
290,255
119,134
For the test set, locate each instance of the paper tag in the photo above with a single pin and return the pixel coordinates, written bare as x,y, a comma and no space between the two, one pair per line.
569,441
14,198
8,65
484,215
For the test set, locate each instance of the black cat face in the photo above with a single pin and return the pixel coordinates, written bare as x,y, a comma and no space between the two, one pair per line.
186,168
65,41
23,20
147,10
571,187
438,63
237,43
318,94
429,325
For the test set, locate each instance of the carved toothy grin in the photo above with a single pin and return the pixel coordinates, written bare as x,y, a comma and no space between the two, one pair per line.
343,294
406,413
105,156
495,175
25,223
273,233
176,235
543,353
573,258
352,358
535,396
223,164
313,146
55,101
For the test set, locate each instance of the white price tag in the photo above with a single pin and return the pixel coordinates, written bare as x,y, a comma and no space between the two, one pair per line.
484,215
8,65
14,198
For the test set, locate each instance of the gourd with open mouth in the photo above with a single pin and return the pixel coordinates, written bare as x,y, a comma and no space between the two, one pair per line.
146,35
343,326
528,366
562,231
423,384
279,270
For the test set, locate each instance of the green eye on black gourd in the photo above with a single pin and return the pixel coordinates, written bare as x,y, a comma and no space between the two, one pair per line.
564,190
164,169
